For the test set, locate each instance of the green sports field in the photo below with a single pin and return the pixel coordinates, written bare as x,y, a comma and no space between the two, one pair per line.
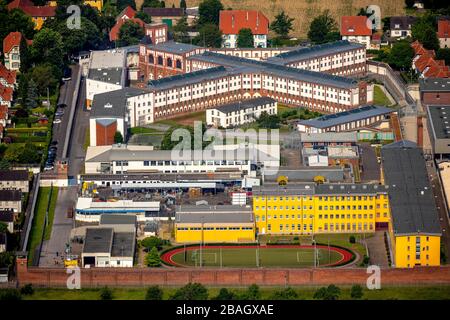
270,256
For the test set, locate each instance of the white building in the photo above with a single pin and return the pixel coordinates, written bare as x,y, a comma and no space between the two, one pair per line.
240,112
400,27
107,72
356,29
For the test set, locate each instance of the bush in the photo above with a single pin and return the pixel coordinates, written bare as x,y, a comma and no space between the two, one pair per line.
150,242
191,291
284,294
153,259
154,293
356,292
352,239
106,294
225,294
10,294
27,290
328,293
252,293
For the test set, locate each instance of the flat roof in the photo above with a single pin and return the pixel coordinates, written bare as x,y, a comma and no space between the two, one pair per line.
303,53
356,114
244,104
123,244
329,137
113,104
194,176
440,121
13,175
174,47
106,219
98,240
112,58
214,214
434,84
6,215
110,75
411,199
319,189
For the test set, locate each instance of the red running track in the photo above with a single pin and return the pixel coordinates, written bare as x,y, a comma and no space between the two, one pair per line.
346,255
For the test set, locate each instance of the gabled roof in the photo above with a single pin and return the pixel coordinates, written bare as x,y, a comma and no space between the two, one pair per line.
11,40
443,29
403,22
164,12
355,26
231,21
6,93
10,195
13,175
7,75
126,13
30,9
114,33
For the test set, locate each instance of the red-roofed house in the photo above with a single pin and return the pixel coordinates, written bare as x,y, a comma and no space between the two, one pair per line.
6,95
7,77
114,33
425,63
11,50
356,29
444,33
126,13
38,13
231,21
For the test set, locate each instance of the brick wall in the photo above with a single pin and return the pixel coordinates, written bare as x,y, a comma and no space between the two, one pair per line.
436,98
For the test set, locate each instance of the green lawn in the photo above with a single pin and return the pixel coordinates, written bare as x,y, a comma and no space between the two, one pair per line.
87,140
247,257
186,120
39,217
304,293
141,130
282,108
379,98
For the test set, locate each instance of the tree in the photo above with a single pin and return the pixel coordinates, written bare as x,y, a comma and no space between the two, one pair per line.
10,294
48,46
118,138
143,16
209,36
180,30
153,259
328,293
183,4
6,259
29,154
191,291
15,20
151,242
409,3
4,164
424,31
209,11
106,294
3,227
153,4
27,290
444,54
44,76
281,25
32,95
356,292
323,28
252,293
225,294
285,294
130,33
12,154
154,293
245,38
401,55
122,4
268,121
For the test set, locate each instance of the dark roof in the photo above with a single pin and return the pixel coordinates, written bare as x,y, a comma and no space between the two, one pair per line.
173,47
214,214
13,175
303,53
244,104
330,120
109,75
113,104
2,238
354,189
10,195
123,244
434,84
164,12
117,219
440,121
411,200
98,240
404,22
7,216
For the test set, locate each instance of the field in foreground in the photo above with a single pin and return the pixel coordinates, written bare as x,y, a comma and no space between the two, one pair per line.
304,10
304,293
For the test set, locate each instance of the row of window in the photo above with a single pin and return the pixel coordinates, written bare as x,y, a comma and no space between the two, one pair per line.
326,227
320,217
324,198
213,228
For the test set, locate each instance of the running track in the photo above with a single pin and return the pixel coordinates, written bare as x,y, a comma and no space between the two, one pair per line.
346,255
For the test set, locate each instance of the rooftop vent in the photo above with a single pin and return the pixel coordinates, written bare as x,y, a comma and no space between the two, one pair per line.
108,105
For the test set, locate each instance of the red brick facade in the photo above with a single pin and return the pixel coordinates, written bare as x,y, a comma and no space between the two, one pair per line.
436,98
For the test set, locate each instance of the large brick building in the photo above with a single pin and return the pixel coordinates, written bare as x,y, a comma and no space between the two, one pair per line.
435,91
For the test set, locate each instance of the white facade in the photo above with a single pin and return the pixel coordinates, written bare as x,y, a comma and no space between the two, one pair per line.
94,87
230,40
121,127
12,59
364,40
225,119
444,42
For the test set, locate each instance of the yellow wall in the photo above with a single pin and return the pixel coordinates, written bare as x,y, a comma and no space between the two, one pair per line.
186,233
405,251
319,213
98,4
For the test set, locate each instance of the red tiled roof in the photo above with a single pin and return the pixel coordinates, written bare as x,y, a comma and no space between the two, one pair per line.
9,76
126,13
231,21
11,40
355,26
114,33
3,112
426,63
443,29
6,93
30,9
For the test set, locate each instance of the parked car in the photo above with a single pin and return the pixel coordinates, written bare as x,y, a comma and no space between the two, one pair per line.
57,120
54,143
48,168
67,74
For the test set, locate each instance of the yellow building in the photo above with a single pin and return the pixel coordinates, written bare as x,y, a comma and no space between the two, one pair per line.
327,208
98,4
415,231
195,224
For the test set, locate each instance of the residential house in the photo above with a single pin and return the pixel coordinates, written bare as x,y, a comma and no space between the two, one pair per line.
7,77
169,16
444,33
7,217
232,21
2,242
11,50
37,13
400,27
14,180
6,95
11,200
426,65
356,29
